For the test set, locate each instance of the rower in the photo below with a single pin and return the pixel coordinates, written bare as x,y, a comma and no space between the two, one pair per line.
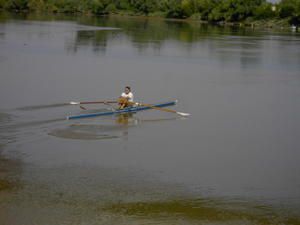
126,98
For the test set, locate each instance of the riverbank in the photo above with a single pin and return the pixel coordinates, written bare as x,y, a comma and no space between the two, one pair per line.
276,24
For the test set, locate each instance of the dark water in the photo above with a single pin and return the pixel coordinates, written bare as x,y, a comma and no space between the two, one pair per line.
235,160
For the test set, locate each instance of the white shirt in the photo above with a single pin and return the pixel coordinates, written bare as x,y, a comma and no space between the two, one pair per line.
129,96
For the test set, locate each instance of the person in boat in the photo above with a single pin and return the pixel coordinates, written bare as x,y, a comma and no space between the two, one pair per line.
126,98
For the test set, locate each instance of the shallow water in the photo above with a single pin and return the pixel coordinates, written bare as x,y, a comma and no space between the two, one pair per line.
234,160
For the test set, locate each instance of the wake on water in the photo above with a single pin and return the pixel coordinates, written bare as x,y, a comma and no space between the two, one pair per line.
14,120
36,107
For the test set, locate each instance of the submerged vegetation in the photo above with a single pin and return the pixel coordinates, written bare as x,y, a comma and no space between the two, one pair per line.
7,181
216,11
203,210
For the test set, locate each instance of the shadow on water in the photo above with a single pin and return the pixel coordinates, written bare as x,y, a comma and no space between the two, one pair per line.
119,128
86,132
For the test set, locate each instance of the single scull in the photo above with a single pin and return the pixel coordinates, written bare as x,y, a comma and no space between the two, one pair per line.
126,110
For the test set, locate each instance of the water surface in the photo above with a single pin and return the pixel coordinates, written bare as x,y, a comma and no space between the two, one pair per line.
234,160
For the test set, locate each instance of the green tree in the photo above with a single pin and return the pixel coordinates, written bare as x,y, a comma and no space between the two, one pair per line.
234,10
187,8
123,4
144,6
173,9
16,4
205,7
110,8
243,9
217,14
96,7
264,11
287,8
2,4
36,5
290,9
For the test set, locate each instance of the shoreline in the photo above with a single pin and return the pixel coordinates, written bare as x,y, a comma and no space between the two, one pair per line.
275,23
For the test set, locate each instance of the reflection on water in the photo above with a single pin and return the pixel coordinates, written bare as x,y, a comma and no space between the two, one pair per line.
97,39
96,131
87,132
126,119
201,43
119,128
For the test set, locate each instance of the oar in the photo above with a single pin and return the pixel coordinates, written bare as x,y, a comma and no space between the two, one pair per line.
105,103
162,109
97,102
36,107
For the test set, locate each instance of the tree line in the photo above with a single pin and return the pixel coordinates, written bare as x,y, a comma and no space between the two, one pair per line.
206,10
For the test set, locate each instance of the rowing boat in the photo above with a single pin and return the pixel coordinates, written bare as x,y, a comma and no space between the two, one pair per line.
126,110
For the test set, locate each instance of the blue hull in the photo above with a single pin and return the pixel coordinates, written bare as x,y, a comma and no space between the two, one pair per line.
126,110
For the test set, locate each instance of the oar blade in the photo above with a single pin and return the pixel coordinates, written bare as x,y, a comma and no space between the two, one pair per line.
183,114
74,103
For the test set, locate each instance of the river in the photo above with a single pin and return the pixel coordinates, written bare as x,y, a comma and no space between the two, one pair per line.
234,160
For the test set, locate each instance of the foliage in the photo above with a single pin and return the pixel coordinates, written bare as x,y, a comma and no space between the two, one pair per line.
208,10
205,7
111,8
36,5
123,5
144,6
96,7
16,4
265,11
290,9
2,4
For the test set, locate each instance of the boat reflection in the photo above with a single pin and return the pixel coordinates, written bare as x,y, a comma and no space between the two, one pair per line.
118,128
126,119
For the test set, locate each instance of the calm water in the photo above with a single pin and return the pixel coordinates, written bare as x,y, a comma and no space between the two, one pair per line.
235,160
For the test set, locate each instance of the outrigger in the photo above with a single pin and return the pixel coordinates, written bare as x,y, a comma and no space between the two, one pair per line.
138,107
